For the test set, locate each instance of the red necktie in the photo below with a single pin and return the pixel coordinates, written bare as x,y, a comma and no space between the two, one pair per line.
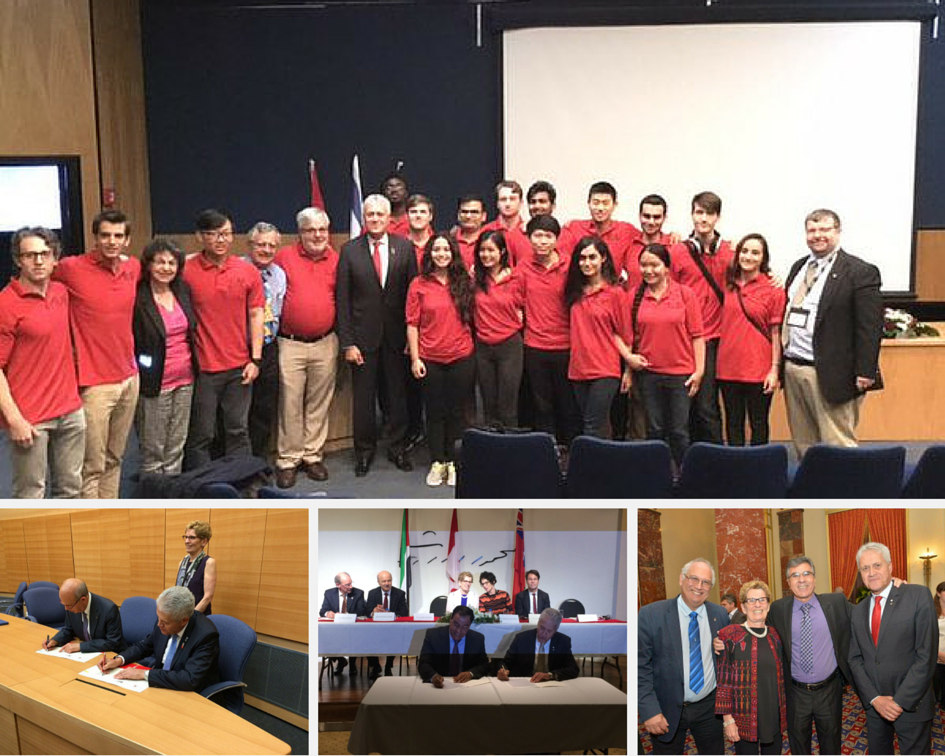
385,602
377,260
877,614
534,604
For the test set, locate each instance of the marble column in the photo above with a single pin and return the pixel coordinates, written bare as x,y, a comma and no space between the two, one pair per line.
650,557
791,539
741,547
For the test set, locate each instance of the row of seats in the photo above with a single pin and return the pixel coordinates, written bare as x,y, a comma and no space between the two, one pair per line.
526,465
39,602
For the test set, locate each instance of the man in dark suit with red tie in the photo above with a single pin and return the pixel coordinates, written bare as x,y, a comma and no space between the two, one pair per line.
343,599
531,600
374,271
454,651
385,598
893,652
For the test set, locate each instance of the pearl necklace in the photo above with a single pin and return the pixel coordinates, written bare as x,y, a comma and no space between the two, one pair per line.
764,634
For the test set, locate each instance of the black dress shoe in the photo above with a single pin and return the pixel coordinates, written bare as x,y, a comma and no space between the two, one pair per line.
374,673
342,663
354,668
413,441
362,464
400,459
388,672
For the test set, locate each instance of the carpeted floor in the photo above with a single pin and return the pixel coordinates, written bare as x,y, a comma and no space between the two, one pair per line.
296,737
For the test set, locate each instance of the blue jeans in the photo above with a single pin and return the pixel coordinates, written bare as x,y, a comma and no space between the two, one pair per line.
666,400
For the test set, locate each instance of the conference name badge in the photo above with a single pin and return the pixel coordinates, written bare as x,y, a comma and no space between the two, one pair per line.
797,317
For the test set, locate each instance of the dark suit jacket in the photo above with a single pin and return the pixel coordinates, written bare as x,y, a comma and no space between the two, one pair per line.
195,664
151,337
523,603
660,673
104,627
397,603
435,654
849,326
737,618
368,315
356,603
903,663
520,659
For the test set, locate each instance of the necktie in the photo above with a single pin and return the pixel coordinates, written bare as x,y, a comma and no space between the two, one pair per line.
541,661
385,602
810,275
344,605
696,674
377,261
455,659
85,626
534,604
877,615
171,650
806,641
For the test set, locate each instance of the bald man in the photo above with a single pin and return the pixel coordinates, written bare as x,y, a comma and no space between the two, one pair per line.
93,623
385,598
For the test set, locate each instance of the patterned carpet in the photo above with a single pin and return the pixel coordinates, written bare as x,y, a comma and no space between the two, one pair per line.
854,732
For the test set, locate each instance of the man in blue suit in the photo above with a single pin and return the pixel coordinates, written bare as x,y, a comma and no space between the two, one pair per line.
676,666
93,623
343,599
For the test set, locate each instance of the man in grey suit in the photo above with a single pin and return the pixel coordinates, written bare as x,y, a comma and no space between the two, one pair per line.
343,599
893,652
93,623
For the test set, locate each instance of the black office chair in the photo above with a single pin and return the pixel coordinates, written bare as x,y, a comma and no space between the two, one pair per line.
438,606
571,608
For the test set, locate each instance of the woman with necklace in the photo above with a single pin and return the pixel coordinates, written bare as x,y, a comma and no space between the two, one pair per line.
750,695
197,571
464,596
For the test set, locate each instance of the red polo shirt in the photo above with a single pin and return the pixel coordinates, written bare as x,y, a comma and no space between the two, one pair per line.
36,351
618,237
595,320
308,309
500,309
515,240
687,272
399,226
222,297
546,315
631,262
444,337
467,249
666,328
419,249
744,354
101,305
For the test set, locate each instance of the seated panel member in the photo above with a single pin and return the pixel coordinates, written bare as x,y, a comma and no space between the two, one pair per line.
531,600
454,650
343,599
464,596
541,654
385,598
92,622
492,600
184,644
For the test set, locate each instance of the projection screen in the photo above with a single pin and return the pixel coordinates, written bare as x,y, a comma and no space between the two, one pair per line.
778,119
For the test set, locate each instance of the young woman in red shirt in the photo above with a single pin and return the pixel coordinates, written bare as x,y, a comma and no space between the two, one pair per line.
439,336
500,302
595,301
668,356
750,342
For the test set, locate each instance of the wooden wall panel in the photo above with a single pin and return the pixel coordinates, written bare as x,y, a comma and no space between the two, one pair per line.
146,536
930,265
14,568
49,547
102,552
284,586
238,537
175,520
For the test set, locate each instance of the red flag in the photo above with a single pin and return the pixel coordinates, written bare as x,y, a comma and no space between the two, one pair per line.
518,579
452,558
317,199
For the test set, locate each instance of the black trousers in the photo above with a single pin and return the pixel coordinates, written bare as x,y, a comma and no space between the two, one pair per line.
938,684
667,410
751,747
226,392
705,417
556,410
386,365
499,373
414,403
914,737
264,407
446,390
741,399
594,399
823,708
706,728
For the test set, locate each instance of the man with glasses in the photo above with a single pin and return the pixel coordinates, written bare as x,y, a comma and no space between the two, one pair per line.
343,599
40,406
93,623
227,293
676,666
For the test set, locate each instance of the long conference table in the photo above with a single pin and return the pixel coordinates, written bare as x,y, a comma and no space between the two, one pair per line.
45,707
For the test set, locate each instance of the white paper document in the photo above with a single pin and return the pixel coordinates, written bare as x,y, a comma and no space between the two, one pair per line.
95,673
523,682
448,683
78,656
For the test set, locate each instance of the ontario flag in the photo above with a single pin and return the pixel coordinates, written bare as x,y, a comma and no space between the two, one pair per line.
452,558
405,577
518,579
317,199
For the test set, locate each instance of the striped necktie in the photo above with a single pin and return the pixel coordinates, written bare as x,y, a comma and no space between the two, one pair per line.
696,673
806,641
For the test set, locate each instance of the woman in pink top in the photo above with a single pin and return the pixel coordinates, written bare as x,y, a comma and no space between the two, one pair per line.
163,327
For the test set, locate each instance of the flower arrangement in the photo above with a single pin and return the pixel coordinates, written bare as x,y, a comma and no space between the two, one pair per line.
481,618
899,324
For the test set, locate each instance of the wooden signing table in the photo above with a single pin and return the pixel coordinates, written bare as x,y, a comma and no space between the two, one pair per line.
45,709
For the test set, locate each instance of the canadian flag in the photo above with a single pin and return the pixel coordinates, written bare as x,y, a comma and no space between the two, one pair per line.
452,558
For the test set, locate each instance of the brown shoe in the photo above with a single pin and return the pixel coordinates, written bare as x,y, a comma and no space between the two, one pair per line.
317,471
285,477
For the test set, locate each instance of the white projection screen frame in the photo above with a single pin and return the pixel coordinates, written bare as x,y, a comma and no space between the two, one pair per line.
778,119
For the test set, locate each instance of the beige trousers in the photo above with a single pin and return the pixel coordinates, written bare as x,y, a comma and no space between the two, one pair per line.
812,418
306,386
59,443
109,413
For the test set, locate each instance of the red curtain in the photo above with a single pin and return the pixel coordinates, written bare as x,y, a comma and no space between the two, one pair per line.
888,526
845,533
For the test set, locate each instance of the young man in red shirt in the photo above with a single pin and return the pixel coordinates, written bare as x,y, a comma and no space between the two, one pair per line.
471,216
39,394
602,203
394,187
700,262
308,349
508,202
102,286
227,293
541,197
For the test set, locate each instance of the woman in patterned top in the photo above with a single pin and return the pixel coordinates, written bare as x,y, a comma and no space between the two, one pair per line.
197,571
750,695
491,600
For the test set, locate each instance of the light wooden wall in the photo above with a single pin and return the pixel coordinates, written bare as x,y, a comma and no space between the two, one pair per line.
283,585
930,265
49,556
13,563
238,536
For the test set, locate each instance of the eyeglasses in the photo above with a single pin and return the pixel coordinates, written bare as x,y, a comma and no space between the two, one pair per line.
218,235
760,601
805,573
71,605
191,538
697,582
40,256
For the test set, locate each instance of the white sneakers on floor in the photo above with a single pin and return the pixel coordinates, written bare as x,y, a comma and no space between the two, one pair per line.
440,473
